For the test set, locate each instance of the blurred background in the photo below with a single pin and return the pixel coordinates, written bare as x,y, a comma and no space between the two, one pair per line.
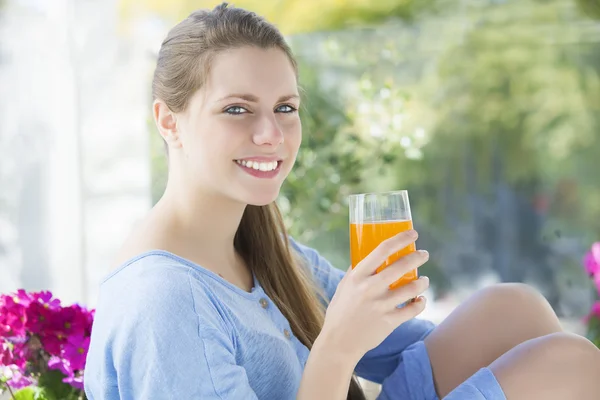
486,111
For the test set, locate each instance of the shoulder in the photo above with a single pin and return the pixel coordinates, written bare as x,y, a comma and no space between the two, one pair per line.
154,290
323,272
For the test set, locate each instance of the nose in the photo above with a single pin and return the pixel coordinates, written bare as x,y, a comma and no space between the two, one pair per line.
269,133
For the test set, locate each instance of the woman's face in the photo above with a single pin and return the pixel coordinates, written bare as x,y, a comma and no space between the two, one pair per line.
241,132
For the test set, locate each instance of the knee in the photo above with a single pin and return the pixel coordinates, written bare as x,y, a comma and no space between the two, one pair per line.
514,297
519,305
569,346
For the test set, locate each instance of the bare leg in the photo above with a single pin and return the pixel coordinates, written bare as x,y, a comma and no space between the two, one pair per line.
560,366
487,325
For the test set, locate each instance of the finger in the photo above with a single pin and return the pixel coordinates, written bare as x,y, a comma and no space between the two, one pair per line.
385,249
402,266
406,292
345,277
408,312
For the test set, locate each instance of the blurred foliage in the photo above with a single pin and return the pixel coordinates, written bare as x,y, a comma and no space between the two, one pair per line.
295,16
489,115
489,118
590,8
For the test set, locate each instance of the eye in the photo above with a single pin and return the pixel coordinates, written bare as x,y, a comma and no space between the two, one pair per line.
286,109
236,110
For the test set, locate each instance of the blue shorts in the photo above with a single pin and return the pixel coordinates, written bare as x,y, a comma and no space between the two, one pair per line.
415,371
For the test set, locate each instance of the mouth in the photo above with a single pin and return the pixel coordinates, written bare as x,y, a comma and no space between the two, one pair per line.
260,169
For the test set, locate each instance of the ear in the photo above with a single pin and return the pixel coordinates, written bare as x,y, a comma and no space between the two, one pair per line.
166,122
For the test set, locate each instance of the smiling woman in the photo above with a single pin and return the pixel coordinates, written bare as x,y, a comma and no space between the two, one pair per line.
210,299
233,134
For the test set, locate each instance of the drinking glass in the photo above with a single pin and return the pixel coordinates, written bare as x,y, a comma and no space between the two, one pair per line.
375,217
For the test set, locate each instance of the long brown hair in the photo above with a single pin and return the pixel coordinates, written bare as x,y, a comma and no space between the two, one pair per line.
183,64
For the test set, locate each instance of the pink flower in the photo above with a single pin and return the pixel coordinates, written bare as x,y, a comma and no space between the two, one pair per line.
14,376
45,299
594,312
53,343
73,320
591,260
75,380
21,297
5,354
12,316
65,322
75,351
19,353
60,364
39,318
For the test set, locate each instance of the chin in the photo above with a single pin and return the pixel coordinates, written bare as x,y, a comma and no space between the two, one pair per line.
260,200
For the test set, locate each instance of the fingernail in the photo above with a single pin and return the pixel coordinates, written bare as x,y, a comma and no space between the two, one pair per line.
424,253
412,233
425,278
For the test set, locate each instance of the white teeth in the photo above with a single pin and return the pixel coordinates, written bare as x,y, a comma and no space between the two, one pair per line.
262,166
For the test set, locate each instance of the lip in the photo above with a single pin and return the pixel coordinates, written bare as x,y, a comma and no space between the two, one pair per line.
261,159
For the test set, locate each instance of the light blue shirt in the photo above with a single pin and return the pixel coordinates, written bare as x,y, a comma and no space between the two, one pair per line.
166,328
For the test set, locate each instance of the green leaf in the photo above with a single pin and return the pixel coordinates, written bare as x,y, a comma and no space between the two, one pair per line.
28,393
32,393
54,388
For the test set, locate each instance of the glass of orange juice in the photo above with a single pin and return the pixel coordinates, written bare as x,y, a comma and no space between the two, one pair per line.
375,217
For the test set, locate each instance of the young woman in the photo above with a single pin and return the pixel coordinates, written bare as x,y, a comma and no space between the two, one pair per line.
212,300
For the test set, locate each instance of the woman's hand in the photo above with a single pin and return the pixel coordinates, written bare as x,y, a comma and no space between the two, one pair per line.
364,311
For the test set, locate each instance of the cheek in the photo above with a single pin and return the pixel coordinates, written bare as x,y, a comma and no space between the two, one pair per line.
218,142
294,136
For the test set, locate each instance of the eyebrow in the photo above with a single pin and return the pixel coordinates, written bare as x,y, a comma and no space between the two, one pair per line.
253,99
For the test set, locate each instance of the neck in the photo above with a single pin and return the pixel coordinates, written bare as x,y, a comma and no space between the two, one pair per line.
205,223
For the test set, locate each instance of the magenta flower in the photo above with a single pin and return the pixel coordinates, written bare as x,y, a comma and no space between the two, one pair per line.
591,260
72,320
18,354
596,309
75,351
53,343
21,297
5,354
12,316
34,327
60,364
45,299
38,318
14,376
75,380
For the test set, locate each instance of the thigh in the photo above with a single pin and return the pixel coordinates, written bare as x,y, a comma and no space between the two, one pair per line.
553,367
413,380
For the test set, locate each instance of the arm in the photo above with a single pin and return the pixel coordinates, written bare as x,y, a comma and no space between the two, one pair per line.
381,362
327,373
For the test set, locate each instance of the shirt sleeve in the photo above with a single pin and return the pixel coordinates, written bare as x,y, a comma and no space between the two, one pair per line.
161,347
380,362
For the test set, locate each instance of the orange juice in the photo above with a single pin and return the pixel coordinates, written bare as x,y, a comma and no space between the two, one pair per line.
364,237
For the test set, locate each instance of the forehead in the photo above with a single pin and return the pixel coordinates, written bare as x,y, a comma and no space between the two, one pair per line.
265,73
